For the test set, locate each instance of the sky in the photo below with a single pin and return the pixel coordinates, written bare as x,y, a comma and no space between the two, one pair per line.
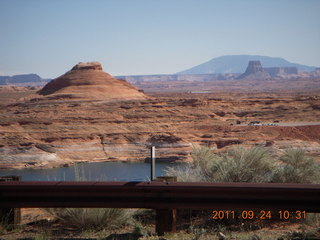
135,37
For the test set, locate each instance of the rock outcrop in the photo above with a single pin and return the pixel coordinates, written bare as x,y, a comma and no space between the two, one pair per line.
254,71
87,65
88,81
281,71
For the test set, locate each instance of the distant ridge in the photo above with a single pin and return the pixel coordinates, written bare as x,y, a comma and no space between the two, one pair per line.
238,64
22,79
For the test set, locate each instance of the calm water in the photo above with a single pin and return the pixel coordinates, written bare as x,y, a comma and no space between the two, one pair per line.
106,171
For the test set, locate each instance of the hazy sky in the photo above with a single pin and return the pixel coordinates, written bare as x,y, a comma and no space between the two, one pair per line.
48,37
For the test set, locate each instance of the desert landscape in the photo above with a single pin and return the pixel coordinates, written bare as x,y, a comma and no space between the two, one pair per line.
215,96
86,115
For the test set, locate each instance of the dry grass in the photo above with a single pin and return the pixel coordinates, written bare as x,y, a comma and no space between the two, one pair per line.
93,218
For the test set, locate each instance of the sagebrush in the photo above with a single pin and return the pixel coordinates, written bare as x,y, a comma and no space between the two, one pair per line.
255,164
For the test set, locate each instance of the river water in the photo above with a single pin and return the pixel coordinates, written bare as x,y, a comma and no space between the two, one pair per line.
105,171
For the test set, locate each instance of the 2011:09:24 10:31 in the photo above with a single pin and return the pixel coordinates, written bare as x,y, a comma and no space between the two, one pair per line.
262,214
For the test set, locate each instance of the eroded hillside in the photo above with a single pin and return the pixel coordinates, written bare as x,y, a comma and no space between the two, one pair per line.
47,133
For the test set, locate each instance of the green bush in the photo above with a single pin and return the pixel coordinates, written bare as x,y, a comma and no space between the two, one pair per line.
243,165
296,167
237,165
199,170
186,173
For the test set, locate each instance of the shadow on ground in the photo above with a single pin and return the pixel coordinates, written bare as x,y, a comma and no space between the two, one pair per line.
123,236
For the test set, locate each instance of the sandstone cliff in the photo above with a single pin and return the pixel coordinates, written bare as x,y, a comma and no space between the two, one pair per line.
88,81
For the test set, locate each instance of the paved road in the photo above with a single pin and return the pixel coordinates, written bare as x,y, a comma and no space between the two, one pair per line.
285,124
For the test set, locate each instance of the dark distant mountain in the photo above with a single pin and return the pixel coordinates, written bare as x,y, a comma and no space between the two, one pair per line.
238,64
23,80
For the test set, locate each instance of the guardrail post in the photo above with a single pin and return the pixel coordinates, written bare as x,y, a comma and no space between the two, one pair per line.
10,215
166,219
153,163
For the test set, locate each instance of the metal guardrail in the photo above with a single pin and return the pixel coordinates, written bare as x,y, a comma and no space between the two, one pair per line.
10,215
161,195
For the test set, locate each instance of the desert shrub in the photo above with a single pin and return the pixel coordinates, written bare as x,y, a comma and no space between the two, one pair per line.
188,173
204,158
93,218
199,169
254,164
243,165
297,167
237,165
